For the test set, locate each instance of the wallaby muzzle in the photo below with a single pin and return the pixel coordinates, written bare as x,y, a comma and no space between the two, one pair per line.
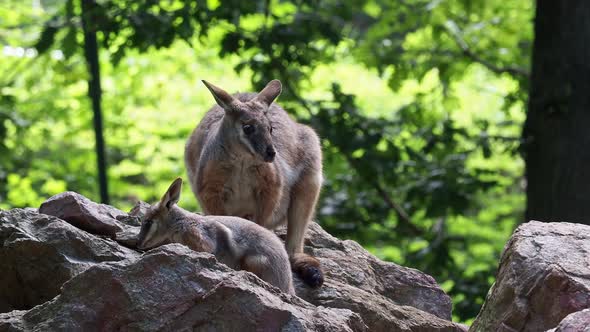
269,154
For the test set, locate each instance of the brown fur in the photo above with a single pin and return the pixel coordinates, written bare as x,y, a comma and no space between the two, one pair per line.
236,242
269,192
302,263
211,185
271,174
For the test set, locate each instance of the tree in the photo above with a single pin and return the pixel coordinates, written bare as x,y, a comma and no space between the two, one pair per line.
556,130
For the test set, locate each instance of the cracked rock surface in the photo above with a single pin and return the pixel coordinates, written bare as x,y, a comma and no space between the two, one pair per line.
39,253
385,294
173,288
71,274
544,275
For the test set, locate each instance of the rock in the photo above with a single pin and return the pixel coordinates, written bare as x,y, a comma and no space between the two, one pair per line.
131,225
108,286
463,327
348,266
544,275
39,253
578,322
128,237
174,288
12,321
379,313
136,214
100,219
83,213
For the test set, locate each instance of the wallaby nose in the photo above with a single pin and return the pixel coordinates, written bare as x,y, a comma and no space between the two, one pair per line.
270,154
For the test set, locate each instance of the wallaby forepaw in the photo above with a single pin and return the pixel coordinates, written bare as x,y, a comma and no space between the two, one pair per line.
309,270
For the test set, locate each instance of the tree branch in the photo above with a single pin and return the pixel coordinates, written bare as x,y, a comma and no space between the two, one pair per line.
402,215
399,211
468,52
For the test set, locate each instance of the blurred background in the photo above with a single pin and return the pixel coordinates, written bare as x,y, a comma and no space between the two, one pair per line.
420,106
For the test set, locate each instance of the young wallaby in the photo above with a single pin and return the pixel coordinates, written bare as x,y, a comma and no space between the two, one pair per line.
248,158
236,242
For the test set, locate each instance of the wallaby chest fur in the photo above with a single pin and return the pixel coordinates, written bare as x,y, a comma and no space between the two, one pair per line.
244,180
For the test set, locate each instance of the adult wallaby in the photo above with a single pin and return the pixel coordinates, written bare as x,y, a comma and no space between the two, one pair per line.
248,158
236,242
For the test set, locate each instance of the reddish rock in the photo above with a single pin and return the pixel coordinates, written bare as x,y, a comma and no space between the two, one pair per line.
130,223
173,288
544,275
576,322
349,269
83,213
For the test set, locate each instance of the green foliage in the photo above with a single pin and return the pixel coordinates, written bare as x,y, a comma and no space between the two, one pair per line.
419,104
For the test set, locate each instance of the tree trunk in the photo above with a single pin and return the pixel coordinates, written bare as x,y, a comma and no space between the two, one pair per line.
557,129
94,92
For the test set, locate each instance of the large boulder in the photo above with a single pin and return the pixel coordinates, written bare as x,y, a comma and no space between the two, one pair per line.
39,253
544,275
174,288
105,285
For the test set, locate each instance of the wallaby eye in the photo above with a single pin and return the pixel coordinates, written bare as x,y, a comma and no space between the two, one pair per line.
248,129
270,130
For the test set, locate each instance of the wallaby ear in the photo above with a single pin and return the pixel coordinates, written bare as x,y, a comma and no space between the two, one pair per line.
270,92
172,195
222,98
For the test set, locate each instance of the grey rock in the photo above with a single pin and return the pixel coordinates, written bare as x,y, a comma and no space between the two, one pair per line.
576,322
38,253
544,275
12,321
378,312
136,214
463,327
130,223
100,219
346,263
128,237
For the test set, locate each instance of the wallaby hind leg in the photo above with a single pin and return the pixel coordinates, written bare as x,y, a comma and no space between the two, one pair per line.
304,196
267,271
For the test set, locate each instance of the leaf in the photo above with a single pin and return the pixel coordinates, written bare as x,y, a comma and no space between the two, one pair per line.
70,43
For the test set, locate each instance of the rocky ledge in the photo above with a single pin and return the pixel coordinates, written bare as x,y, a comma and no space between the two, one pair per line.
72,265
